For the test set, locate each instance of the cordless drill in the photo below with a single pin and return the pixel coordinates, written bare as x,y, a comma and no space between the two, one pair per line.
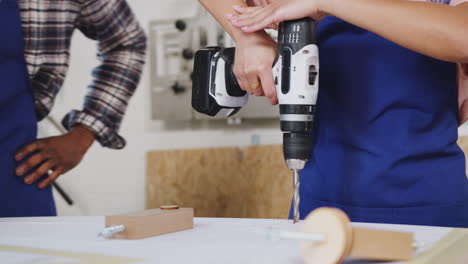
296,70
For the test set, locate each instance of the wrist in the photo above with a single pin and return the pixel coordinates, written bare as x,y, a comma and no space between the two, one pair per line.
326,6
84,136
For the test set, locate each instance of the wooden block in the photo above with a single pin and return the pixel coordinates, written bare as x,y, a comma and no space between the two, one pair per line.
343,241
381,245
151,223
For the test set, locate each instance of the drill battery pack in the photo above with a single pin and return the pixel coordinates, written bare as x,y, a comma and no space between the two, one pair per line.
215,91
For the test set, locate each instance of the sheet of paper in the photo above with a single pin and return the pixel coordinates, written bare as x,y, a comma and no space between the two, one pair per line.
25,258
212,241
453,249
26,255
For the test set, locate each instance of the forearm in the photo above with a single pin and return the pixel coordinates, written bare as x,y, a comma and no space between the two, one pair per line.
219,9
122,49
436,30
108,96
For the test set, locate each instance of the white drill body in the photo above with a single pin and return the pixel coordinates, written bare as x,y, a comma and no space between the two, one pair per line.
296,75
302,91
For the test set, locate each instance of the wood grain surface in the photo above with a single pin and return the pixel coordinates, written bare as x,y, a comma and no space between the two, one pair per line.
224,182
221,182
151,223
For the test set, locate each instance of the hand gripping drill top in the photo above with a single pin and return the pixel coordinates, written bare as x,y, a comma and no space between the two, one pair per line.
296,70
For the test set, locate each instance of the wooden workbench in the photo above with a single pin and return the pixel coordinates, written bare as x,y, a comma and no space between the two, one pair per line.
211,241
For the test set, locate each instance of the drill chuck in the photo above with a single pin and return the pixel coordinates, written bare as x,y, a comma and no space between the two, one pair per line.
297,148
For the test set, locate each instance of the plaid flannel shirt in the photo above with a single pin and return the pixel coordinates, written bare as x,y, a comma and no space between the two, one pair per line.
47,30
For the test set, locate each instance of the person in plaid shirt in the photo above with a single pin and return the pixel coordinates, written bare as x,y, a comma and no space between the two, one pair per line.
47,28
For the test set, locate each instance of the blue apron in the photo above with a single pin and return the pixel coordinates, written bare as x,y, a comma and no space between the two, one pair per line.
386,137
18,125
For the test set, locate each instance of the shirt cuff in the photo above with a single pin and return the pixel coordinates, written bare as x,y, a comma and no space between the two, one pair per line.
105,135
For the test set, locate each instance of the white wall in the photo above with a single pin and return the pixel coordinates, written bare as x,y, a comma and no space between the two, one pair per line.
110,181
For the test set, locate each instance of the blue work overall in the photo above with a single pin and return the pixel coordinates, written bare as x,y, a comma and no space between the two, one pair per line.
385,145
18,125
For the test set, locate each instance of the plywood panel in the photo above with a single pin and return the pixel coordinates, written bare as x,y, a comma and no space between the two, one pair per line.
221,182
271,182
200,179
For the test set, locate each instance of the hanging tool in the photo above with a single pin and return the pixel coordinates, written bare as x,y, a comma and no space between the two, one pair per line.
216,91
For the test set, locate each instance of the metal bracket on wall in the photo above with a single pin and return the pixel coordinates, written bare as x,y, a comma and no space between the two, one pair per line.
173,44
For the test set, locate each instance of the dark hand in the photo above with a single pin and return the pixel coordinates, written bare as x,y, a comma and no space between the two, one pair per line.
59,154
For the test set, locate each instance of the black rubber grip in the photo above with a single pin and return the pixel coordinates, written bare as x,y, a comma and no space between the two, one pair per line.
297,126
285,70
297,146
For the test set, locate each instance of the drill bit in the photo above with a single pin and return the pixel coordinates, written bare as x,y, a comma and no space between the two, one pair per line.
296,197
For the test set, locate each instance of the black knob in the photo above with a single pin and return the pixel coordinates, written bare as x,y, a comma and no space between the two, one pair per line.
187,54
297,146
180,25
177,88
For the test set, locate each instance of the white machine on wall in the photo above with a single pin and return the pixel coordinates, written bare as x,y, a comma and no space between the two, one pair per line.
172,48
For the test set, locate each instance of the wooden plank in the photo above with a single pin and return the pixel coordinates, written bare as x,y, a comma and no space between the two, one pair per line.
151,223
